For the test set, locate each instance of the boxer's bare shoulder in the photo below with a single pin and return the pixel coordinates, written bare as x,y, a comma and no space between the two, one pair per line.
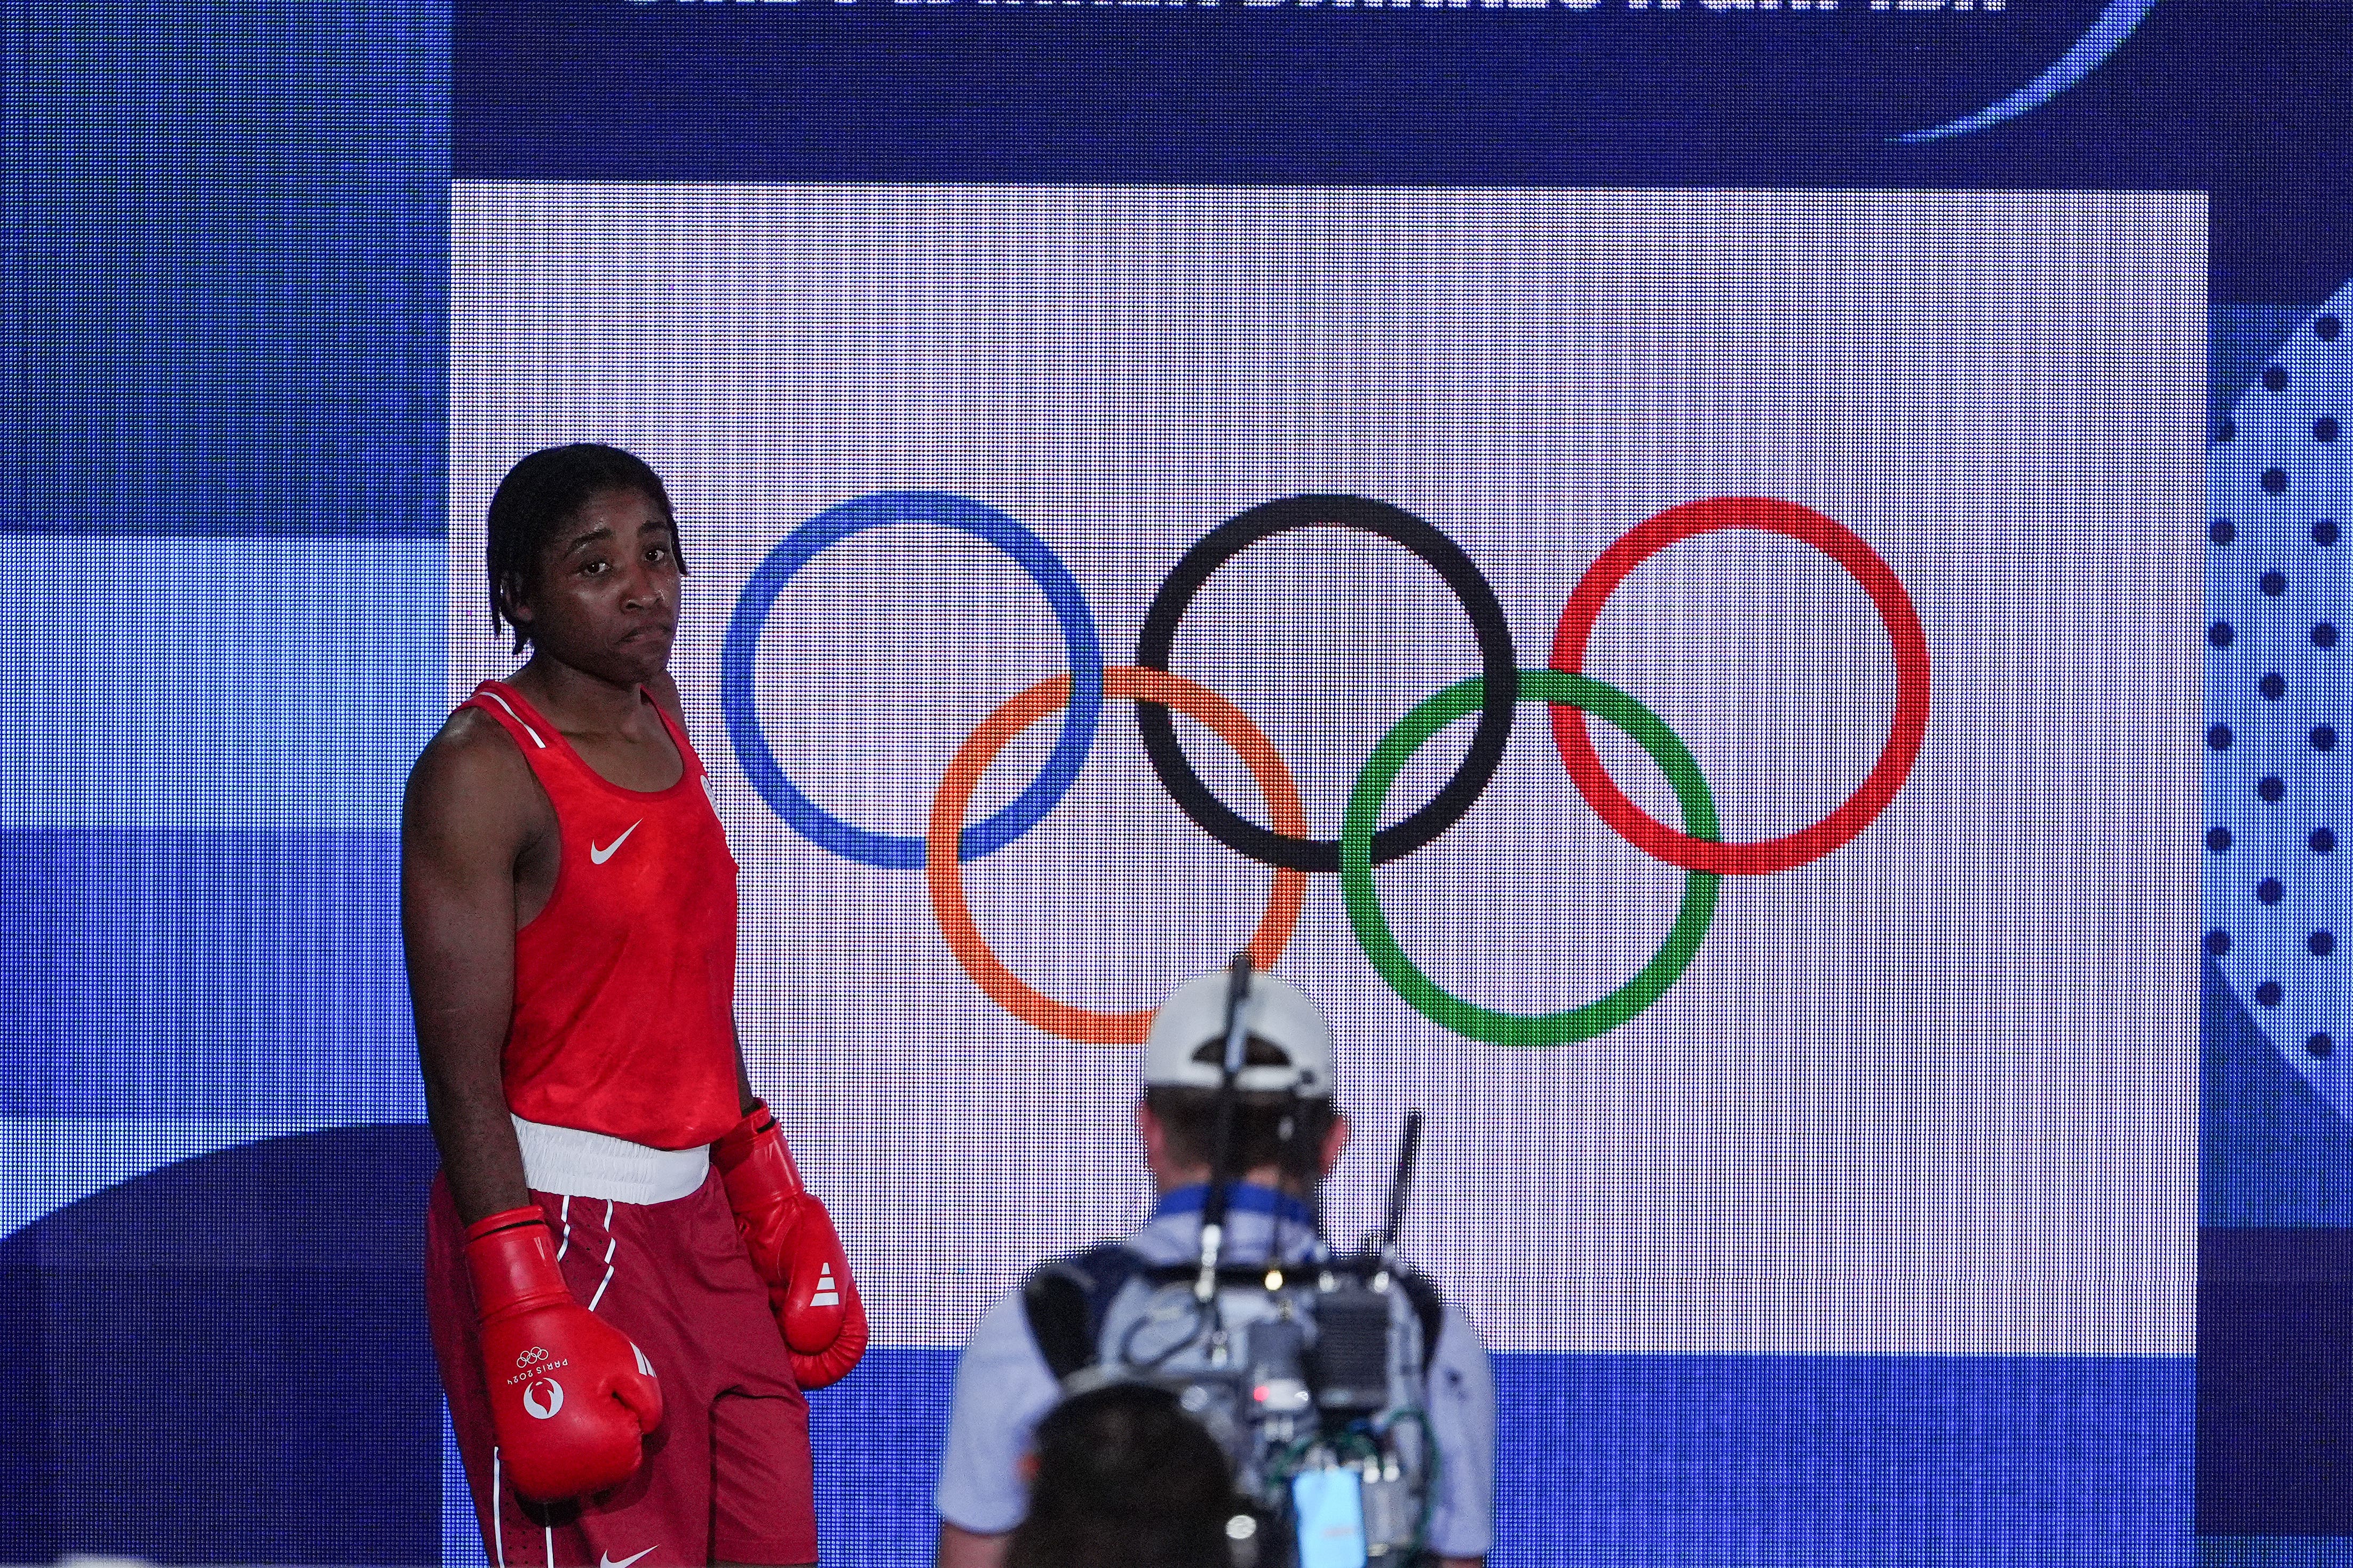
474,809
473,757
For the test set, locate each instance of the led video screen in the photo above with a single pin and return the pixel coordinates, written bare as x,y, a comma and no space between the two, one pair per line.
1747,594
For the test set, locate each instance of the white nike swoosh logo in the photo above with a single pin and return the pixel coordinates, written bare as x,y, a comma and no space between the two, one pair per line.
600,856
606,1558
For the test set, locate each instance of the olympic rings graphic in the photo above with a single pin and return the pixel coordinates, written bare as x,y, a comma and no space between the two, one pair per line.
1904,734
1465,1019
740,653
1493,695
972,759
1499,660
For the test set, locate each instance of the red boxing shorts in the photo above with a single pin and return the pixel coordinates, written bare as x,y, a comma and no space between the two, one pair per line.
726,1476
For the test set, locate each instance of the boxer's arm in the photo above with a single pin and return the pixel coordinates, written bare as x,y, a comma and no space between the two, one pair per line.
744,1098
465,820
663,690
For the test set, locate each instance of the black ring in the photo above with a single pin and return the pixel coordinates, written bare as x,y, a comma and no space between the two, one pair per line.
1499,661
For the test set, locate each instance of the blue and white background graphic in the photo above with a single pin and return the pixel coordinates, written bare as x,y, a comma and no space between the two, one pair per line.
1919,1249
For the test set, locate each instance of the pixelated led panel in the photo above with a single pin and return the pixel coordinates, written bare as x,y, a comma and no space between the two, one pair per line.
2279,744
1930,1089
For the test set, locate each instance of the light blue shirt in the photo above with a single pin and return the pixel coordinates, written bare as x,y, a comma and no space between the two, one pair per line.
1003,1386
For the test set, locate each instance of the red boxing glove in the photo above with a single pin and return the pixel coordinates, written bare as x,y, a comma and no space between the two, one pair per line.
571,1397
794,1246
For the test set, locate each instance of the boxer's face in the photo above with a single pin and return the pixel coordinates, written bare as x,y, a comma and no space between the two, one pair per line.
605,598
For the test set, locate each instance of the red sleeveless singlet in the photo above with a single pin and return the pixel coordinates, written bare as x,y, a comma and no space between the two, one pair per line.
625,984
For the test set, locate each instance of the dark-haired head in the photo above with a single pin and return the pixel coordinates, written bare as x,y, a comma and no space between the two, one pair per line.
539,496
1125,1479
1277,1130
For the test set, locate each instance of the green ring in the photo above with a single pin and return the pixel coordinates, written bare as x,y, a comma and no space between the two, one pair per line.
1421,993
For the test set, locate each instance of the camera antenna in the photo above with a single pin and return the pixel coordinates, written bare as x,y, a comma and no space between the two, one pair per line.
1221,1144
1401,1188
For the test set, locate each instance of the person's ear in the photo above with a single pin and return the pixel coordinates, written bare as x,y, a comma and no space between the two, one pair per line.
513,603
1336,1142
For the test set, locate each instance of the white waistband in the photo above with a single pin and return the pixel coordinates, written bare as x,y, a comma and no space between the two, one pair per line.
592,1166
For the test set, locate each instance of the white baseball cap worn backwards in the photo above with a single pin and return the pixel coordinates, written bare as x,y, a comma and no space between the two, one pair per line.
1184,1047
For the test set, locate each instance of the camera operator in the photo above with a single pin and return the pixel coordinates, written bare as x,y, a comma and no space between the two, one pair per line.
1118,1311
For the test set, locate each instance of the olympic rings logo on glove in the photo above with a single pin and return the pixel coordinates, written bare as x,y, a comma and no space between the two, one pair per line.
1493,695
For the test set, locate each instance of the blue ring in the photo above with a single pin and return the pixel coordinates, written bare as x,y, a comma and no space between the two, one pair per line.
893,852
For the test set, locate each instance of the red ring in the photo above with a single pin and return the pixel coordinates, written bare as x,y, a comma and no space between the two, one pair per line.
1904,732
